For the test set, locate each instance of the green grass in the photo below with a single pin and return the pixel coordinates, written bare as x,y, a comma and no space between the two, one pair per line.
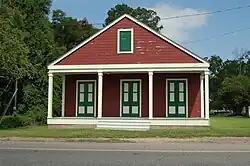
220,127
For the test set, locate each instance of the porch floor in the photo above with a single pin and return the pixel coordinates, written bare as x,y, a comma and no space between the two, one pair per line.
118,123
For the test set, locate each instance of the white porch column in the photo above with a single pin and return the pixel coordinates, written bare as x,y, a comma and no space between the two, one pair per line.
207,94
50,95
100,84
202,94
150,94
249,111
63,95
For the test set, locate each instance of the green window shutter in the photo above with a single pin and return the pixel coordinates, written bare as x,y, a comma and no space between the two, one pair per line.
125,41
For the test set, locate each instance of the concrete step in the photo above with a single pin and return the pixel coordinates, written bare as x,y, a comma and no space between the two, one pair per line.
136,125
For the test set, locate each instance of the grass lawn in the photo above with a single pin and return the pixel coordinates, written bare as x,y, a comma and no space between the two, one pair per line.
220,127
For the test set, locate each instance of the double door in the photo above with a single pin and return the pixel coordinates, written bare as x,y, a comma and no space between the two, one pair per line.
176,98
130,98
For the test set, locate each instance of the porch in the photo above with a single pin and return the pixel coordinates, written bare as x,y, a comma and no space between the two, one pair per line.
133,98
125,123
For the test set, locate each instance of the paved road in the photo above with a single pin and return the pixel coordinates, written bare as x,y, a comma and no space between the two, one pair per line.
124,154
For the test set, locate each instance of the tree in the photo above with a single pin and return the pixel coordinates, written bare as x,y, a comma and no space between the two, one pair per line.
146,16
36,36
13,62
216,78
69,31
220,70
235,93
29,42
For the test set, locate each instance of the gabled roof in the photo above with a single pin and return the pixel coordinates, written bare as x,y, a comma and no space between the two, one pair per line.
137,22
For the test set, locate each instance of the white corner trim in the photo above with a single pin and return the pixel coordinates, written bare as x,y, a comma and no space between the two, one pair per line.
177,79
139,23
122,80
79,81
132,41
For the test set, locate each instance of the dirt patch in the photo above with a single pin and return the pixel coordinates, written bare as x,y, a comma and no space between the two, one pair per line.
95,140
231,140
216,140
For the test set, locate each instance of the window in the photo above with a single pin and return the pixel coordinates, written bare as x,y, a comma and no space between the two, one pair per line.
125,41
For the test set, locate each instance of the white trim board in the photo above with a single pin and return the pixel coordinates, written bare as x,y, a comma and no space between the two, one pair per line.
177,79
132,41
153,122
162,67
77,82
139,23
140,70
140,80
131,66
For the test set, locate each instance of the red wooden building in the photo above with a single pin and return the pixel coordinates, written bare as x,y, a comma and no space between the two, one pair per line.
128,76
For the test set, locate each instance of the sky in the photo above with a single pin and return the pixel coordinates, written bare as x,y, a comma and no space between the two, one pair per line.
182,30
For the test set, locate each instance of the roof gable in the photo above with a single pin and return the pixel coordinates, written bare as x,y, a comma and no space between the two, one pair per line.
134,21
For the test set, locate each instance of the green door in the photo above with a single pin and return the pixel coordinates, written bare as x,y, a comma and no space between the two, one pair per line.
130,99
177,98
86,99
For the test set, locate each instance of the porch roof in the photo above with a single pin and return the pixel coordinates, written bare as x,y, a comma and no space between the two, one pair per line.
162,67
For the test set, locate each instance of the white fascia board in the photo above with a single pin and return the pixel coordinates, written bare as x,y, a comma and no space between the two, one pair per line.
132,66
129,68
184,70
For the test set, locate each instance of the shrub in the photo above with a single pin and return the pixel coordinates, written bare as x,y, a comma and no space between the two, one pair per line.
15,121
38,114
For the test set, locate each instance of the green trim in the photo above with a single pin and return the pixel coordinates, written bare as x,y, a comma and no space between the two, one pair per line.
130,94
177,103
125,41
85,103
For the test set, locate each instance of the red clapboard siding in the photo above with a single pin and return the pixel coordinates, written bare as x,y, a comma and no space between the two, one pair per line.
148,48
111,93
70,92
194,102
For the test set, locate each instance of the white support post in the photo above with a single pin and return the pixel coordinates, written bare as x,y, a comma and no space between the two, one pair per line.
63,95
249,111
100,85
150,85
202,94
50,95
207,95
